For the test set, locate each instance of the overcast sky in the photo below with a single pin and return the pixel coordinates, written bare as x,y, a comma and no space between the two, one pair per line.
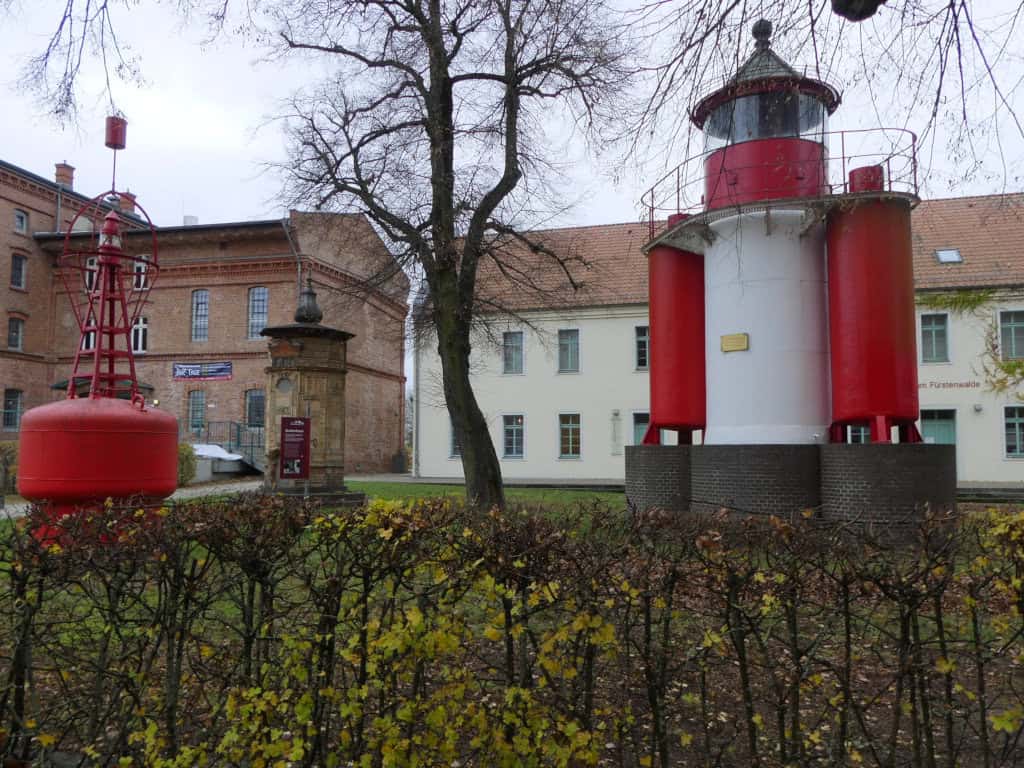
198,134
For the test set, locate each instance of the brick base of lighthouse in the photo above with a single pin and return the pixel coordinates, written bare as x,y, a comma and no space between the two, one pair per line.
874,484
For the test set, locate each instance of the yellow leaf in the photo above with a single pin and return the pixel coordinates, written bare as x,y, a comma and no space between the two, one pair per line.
47,740
686,739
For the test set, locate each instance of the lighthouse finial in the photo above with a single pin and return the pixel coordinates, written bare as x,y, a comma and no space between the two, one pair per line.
763,33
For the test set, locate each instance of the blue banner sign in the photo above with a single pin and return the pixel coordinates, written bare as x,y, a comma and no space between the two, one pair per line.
202,371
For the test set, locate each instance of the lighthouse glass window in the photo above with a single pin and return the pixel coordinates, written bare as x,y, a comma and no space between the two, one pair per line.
774,114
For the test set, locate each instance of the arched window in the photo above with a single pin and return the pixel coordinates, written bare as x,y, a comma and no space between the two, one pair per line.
257,311
201,315
255,401
140,335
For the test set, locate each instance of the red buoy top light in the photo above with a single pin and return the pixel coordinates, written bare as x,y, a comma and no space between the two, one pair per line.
117,132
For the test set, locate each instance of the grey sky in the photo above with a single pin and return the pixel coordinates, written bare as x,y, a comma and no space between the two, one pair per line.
196,145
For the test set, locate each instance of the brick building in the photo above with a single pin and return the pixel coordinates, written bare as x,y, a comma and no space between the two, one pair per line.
198,347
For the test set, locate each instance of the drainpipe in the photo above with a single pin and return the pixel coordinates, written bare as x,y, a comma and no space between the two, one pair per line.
415,405
295,253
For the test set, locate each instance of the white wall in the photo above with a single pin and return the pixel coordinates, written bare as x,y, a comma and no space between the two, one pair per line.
961,385
608,381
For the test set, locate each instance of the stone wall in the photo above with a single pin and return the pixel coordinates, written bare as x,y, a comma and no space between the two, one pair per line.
887,484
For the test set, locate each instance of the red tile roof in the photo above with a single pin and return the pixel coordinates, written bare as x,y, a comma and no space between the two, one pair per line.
988,231
607,266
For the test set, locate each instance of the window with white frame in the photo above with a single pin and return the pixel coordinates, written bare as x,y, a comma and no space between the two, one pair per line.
1011,335
569,435
512,352
454,447
643,347
15,333
935,338
569,350
255,400
1014,417
257,311
513,435
140,270
140,335
12,409
858,433
92,268
196,410
640,423
20,221
201,315
19,270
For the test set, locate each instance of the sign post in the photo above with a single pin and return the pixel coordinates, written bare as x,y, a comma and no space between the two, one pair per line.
294,448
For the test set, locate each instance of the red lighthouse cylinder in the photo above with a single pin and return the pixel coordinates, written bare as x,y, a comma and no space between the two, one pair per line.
676,286
871,318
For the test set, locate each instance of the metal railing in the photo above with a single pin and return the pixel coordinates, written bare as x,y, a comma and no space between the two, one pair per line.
247,441
682,189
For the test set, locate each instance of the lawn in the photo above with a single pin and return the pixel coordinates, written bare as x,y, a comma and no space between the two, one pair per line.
561,497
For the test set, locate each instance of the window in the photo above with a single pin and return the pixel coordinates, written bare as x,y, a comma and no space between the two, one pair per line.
939,426
15,333
89,337
19,264
640,423
454,448
858,433
1015,431
20,221
948,255
196,410
89,275
513,436
201,315
1011,327
643,341
512,352
140,271
140,335
254,401
257,311
934,339
569,351
569,435
12,408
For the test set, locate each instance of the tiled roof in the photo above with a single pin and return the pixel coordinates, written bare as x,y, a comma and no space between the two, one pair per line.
604,261
609,268
989,233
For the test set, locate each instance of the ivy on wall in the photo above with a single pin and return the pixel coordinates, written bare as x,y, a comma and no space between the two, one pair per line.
1000,376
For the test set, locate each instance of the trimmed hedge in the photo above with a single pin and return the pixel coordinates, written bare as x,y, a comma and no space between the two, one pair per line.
260,631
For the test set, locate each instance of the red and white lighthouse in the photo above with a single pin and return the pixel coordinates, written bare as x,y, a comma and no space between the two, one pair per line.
781,292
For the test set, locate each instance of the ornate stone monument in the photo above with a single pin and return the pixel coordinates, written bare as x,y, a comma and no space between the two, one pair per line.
306,391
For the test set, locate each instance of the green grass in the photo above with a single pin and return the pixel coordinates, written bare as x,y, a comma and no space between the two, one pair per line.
556,497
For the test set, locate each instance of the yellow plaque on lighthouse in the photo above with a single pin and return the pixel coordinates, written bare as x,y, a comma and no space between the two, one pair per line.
736,342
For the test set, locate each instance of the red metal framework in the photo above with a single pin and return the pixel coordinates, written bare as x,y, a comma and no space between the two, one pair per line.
108,283
684,189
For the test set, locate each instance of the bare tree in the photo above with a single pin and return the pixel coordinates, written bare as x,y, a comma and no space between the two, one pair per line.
924,64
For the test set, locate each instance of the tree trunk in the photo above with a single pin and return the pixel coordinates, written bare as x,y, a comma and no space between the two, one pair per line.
479,459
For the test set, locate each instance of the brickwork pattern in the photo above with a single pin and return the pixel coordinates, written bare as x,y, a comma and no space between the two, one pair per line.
762,479
890,485
658,476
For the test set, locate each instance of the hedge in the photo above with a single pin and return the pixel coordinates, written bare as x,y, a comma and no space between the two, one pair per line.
263,632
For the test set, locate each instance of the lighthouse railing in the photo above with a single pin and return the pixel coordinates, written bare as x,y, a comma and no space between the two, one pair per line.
682,189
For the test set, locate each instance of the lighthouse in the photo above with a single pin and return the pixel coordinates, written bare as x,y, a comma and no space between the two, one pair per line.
782,335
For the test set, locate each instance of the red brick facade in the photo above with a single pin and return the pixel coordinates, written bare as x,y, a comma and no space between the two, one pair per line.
341,253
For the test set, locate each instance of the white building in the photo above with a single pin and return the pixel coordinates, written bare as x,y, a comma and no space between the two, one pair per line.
564,384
